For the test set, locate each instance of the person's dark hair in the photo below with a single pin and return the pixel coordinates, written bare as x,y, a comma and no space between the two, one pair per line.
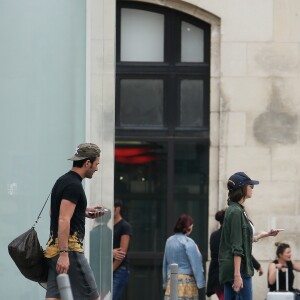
219,216
80,163
183,223
281,248
118,203
237,195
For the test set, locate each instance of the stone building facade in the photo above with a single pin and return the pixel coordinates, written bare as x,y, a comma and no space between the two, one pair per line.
59,87
254,106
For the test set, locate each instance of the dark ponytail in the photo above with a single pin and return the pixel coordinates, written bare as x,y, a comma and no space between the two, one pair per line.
219,216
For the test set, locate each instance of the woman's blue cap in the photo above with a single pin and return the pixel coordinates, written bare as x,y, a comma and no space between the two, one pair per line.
238,180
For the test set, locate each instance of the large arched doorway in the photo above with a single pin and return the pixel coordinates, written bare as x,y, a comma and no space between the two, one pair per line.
162,132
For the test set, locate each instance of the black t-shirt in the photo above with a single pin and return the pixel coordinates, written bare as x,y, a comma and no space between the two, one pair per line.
69,187
282,282
121,228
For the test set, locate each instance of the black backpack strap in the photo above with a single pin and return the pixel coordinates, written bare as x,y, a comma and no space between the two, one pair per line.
41,212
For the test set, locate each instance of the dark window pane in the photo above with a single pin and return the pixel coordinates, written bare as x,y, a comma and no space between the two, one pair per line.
141,102
140,180
191,185
191,103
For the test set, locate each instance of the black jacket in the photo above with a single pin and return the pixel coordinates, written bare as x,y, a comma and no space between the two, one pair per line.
213,284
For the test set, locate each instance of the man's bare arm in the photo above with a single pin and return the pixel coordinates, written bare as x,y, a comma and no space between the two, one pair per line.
124,244
65,214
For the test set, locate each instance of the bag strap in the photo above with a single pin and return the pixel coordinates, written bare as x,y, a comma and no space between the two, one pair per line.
39,216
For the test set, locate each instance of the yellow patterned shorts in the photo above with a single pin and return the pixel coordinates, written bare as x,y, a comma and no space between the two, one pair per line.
187,288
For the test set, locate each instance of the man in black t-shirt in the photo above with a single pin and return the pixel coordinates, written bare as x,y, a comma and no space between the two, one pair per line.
64,251
122,235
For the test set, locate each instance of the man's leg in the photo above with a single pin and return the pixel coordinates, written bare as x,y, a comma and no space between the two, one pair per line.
81,277
120,278
52,288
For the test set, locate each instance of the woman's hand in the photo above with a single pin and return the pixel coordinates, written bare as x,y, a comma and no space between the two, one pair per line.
260,271
278,266
263,234
273,232
237,283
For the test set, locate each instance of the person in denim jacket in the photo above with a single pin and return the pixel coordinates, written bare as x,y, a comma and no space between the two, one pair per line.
182,250
235,262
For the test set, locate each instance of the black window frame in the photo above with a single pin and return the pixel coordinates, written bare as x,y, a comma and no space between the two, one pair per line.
171,70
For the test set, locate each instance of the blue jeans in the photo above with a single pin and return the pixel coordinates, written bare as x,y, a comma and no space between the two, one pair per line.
246,293
120,278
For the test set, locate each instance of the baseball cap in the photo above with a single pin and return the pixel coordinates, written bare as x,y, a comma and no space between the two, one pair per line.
84,151
238,180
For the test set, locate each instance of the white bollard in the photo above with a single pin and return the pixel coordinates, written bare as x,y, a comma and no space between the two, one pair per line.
174,282
64,287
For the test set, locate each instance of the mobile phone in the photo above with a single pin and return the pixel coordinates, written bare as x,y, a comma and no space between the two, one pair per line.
278,229
101,209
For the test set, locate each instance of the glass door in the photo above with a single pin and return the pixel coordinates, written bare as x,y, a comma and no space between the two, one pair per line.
157,182
140,181
190,192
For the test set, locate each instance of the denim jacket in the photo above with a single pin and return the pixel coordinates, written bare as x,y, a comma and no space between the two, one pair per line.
236,240
182,250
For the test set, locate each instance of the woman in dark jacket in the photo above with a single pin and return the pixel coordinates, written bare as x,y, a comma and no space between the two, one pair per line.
213,284
235,262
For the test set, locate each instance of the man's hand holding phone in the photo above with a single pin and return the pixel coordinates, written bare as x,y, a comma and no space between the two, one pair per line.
95,211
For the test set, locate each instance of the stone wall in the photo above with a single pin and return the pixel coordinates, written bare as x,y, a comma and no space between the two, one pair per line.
254,111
